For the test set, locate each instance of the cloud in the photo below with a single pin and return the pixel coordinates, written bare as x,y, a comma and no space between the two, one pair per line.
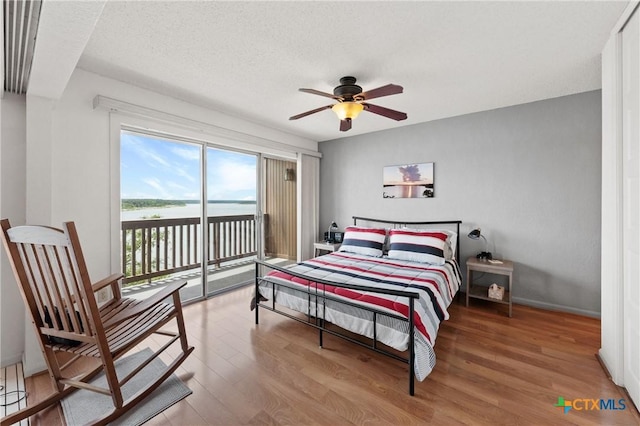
171,170
157,185
234,176
182,172
188,154
177,186
145,152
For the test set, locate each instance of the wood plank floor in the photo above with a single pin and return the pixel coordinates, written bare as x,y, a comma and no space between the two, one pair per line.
491,370
12,391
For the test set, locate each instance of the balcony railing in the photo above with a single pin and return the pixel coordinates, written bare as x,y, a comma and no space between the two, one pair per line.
159,247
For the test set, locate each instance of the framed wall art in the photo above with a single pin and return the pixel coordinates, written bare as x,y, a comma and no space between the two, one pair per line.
413,180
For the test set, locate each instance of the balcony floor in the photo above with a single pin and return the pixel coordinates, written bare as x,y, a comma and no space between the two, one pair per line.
227,277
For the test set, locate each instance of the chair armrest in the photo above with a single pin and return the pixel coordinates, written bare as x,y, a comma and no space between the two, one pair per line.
106,281
110,280
145,305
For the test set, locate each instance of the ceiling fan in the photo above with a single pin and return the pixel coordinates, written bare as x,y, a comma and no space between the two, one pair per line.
351,102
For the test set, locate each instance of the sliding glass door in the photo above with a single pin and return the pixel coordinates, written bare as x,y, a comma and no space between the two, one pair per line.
161,237
233,232
201,213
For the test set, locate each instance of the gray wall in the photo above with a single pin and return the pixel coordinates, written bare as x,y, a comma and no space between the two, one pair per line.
528,175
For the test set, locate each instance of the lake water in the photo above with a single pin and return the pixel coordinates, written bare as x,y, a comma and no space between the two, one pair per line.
189,210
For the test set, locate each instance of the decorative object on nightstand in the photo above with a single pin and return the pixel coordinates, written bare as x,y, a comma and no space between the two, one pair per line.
484,292
476,235
496,292
332,234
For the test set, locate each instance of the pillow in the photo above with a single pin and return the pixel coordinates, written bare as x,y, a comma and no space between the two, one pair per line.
450,244
418,246
360,240
453,243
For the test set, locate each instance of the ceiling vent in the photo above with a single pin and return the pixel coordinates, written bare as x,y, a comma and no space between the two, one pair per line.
20,26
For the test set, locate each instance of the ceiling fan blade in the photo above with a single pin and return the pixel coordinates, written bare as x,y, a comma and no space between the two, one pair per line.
385,112
389,89
345,125
319,93
313,111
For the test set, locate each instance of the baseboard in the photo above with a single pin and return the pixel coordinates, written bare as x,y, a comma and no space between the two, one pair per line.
33,371
603,364
622,389
10,360
554,307
33,368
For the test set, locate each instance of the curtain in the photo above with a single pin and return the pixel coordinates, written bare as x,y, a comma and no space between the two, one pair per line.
308,204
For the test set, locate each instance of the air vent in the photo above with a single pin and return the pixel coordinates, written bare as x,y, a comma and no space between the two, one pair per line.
20,26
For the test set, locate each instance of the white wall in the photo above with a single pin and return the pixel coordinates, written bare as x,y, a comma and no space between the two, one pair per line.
69,167
528,175
81,161
12,207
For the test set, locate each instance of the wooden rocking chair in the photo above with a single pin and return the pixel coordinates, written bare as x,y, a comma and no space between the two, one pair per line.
53,279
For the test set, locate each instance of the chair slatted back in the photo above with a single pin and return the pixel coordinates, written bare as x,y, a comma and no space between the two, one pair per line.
53,279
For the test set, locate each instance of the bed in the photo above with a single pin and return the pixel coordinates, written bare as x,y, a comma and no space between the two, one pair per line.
387,278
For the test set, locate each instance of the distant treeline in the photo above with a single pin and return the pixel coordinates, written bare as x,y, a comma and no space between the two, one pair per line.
143,203
230,201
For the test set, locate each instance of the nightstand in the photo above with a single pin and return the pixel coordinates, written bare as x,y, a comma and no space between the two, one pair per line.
321,246
481,291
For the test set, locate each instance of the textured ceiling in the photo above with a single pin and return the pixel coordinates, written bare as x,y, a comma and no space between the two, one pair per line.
249,58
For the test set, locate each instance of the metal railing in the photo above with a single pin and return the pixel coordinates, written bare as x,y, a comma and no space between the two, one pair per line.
158,247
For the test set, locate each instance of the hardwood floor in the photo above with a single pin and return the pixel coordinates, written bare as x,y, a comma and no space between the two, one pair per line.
491,370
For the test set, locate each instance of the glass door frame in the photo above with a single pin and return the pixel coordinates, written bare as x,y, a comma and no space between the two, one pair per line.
180,229
258,216
205,135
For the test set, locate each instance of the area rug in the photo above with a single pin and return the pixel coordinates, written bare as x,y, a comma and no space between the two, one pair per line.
82,406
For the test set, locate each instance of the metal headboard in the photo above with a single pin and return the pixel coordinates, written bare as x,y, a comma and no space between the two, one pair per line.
400,224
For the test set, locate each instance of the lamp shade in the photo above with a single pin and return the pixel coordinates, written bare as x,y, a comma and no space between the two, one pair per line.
346,110
330,235
475,234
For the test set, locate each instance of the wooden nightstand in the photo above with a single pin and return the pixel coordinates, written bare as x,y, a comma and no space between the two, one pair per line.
321,246
481,291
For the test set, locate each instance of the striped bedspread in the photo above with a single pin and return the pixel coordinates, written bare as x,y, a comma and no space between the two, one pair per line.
436,285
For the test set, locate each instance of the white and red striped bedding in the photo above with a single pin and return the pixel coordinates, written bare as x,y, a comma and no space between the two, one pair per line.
436,285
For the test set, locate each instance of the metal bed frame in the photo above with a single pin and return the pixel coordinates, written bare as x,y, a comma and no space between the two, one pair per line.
315,295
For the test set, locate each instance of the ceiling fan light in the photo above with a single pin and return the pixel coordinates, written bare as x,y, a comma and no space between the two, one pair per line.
346,110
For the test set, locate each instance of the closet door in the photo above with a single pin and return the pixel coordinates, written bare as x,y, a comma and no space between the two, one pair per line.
631,204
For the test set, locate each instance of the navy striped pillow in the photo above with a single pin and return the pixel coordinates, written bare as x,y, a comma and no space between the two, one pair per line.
417,246
360,240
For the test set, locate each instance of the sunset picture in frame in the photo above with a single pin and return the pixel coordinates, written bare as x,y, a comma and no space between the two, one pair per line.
408,181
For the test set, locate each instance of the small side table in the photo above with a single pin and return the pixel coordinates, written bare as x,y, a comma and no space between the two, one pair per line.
321,246
481,292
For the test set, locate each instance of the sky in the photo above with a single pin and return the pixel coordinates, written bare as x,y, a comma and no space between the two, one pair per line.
165,169
393,176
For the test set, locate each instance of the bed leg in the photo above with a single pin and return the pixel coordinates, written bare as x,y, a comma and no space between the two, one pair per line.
412,354
257,292
257,307
320,333
411,386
